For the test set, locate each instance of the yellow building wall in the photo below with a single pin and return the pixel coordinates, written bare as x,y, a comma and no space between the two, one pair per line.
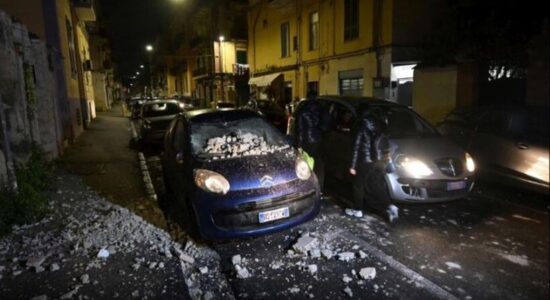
434,93
64,13
268,38
365,27
333,55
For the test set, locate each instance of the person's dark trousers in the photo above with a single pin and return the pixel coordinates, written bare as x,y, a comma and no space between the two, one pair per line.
378,198
360,185
314,150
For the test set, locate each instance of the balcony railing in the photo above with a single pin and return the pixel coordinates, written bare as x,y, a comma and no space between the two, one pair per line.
85,10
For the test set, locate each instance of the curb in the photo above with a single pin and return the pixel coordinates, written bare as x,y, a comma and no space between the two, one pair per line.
149,188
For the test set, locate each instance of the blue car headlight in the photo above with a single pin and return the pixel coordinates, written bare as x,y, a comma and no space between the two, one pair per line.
211,181
470,164
302,169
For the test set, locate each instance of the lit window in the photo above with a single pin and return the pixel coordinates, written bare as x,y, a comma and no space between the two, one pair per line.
285,40
314,31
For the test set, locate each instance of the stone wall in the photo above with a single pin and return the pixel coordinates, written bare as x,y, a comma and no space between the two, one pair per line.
28,92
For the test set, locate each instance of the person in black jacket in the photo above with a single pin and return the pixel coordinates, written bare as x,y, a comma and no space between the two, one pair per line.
310,133
368,166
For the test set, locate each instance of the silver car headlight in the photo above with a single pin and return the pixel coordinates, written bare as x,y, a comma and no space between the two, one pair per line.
302,169
470,164
414,167
211,181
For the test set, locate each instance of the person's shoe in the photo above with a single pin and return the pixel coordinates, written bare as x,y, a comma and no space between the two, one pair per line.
350,212
393,213
358,214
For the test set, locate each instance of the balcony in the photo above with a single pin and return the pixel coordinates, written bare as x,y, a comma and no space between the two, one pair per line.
84,10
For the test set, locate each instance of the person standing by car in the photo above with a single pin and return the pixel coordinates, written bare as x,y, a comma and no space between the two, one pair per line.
310,134
368,166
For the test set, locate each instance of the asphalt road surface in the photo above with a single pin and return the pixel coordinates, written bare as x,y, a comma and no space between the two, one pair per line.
493,244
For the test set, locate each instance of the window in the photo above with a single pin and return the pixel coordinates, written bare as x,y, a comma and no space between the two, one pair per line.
285,40
313,88
351,20
72,51
241,57
314,31
351,87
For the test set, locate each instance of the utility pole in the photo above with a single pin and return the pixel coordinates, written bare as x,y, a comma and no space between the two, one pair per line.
149,49
221,66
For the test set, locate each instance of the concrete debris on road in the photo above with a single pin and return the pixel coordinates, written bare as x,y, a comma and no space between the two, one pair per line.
103,253
80,231
348,291
346,256
367,273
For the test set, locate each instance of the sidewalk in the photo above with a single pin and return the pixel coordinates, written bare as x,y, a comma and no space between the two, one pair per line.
102,156
97,241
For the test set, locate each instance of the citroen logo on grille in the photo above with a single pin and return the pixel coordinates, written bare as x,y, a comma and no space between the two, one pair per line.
266,181
452,167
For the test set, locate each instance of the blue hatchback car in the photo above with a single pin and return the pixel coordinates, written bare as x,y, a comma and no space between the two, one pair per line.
236,175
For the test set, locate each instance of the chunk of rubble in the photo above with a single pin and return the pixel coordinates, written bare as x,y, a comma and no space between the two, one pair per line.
35,261
103,253
312,269
242,272
367,273
346,278
348,291
362,254
203,270
41,297
236,260
305,243
346,256
327,253
294,290
315,253
276,265
85,279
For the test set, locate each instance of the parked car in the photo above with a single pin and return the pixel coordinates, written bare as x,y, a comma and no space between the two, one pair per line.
222,104
423,166
134,105
236,175
155,116
274,113
509,143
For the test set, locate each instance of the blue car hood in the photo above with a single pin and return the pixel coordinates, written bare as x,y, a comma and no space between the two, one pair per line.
255,172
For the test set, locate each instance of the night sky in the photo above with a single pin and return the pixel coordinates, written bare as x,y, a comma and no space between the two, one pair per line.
132,24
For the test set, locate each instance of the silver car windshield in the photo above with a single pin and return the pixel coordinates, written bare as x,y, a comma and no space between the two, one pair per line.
402,122
245,137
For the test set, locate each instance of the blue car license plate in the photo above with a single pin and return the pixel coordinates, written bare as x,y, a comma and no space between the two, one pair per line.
272,215
457,185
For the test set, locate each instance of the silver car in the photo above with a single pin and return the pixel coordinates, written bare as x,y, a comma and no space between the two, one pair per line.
423,166
509,142
154,118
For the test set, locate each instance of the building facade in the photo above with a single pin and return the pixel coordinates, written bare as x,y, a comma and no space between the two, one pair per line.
62,25
339,47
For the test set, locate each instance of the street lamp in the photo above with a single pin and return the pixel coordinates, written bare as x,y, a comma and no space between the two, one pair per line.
149,49
221,38
141,66
137,73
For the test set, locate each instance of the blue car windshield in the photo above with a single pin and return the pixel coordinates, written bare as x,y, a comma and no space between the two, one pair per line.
229,139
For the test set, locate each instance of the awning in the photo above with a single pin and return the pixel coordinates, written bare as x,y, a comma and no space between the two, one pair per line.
263,80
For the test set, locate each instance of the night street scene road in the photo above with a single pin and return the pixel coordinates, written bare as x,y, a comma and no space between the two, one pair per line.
274,149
